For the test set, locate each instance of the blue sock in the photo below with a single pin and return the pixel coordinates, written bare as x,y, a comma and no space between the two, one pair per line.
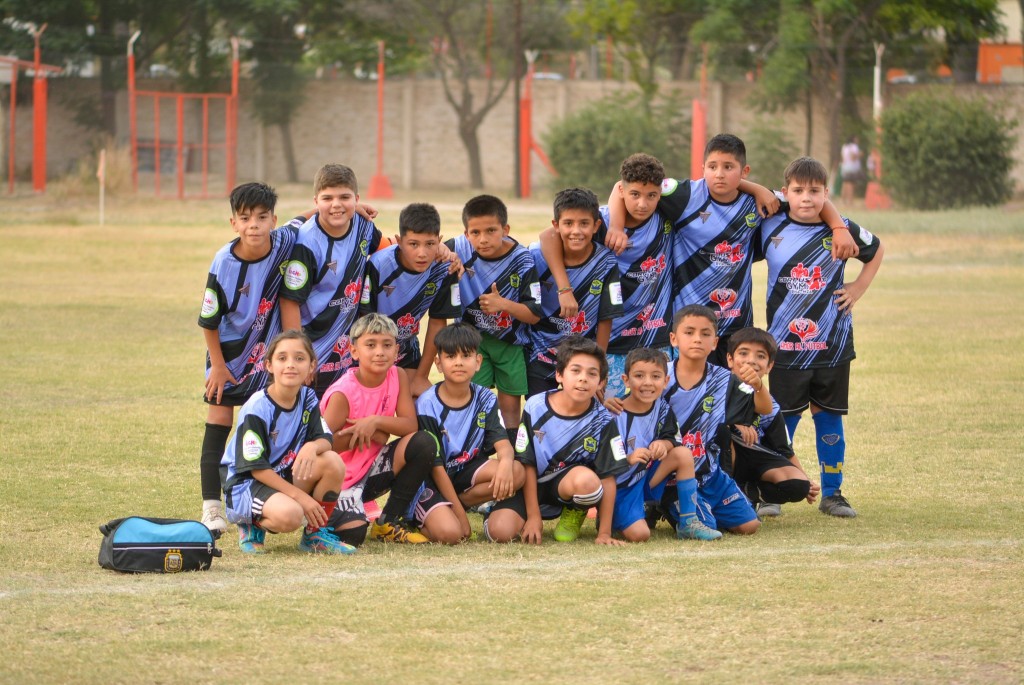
828,433
791,422
687,490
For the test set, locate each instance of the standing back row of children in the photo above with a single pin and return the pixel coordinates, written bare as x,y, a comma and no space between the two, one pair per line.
523,303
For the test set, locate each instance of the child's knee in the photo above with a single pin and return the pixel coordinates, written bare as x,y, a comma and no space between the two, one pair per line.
748,528
502,529
638,532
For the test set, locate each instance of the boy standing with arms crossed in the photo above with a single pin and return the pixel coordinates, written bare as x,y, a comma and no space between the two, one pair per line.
500,297
809,315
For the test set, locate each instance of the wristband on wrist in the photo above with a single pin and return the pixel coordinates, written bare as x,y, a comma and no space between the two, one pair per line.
842,227
562,291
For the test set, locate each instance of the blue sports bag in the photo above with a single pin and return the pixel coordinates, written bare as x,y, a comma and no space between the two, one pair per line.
150,545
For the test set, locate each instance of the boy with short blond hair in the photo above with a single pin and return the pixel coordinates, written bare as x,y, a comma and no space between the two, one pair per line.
323,280
809,316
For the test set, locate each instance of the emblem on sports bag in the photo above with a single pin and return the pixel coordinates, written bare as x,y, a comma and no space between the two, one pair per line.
172,561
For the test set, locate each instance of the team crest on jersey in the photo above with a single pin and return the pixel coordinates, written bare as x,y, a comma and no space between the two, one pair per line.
210,304
252,446
590,444
704,216
333,266
364,247
513,280
776,240
596,287
708,404
430,289
408,326
751,220
539,434
826,243
725,298
295,275
803,281
666,228
481,420
305,417
727,255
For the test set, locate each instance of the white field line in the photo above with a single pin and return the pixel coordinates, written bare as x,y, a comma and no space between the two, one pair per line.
212,582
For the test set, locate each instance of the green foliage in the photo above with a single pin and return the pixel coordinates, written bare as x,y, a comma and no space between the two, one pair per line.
769,150
943,151
587,147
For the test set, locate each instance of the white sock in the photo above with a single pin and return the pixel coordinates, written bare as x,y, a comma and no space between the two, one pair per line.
211,504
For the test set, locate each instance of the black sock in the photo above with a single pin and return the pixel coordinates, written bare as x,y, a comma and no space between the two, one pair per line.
214,441
421,453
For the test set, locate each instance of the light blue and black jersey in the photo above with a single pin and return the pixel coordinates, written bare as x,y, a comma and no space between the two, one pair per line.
705,413
405,296
640,430
516,280
712,251
645,271
598,293
552,443
268,436
802,279
240,303
465,433
325,276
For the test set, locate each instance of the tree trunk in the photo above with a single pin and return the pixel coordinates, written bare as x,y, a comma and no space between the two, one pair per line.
288,149
108,84
808,121
470,140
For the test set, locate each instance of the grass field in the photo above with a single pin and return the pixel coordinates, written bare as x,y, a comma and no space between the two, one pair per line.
102,373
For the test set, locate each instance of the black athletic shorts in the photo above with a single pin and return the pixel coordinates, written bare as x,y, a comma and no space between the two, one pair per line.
465,478
796,389
749,465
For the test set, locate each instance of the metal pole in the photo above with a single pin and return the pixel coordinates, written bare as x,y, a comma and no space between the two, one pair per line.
133,128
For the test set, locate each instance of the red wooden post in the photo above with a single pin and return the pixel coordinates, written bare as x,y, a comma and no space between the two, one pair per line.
179,115
38,120
14,116
380,186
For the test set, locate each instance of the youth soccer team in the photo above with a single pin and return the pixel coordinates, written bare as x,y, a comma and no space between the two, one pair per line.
627,327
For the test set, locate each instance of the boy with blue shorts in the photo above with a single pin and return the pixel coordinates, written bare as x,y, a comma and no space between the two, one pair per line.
809,316
500,297
593,277
709,402
651,436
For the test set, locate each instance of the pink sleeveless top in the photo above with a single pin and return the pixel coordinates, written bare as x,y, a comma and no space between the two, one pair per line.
362,402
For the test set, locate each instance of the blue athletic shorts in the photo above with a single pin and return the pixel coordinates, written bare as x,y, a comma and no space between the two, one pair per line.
629,506
721,504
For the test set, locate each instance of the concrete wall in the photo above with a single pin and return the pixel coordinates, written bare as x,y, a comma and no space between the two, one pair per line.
337,123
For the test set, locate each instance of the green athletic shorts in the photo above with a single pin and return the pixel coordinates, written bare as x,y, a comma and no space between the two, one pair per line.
504,366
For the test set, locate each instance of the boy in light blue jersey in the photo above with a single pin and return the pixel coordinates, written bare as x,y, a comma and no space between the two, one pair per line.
594,278
500,297
809,315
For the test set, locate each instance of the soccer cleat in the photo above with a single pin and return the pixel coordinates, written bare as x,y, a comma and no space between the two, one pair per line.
323,540
396,531
836,505
693,529
569,523
652,514
768,509
250,539
214,519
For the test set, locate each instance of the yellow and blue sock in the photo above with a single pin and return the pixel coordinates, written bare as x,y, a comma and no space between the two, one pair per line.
831,446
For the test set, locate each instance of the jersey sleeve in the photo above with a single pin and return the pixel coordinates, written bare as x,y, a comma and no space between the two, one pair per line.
524,442
215,304
668,426
529,291
865,240
776,435
739,408
675,195
300,274
494,430
371,281
252,445
611,296
446,304
376,240
316,426
611,453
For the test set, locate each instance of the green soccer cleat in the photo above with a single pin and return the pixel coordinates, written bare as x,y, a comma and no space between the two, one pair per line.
569,524
324,541
693,529
250,539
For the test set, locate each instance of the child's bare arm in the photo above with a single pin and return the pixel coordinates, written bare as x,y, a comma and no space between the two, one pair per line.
843,245
848,295
766,201
604,333
551,248
534,526
219,374
291,316
404,420
605,511
503,483
335,414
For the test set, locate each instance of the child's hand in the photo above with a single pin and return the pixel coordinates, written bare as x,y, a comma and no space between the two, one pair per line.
360,431
843,244
454,263
814,492
616,240
302,467
658,449
767,202
613,404
606,539
492,302
532,531
315,514
218,378
419,384
366,211
503,484
568,306
748,375
747,434
848,295
639,456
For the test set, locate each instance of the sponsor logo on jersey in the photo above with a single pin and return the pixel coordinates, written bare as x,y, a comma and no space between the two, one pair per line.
535,292
210,304
252,446
695,443
466,456
408,326
803,328
492,323
647,322
456,296
727,254
522,439
615,292
255,360
295,275
367,286
803,281
590,444
865,236
806,330
618,450
725,298
576,324
668,186
650,270
349,296
263,311
286,461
